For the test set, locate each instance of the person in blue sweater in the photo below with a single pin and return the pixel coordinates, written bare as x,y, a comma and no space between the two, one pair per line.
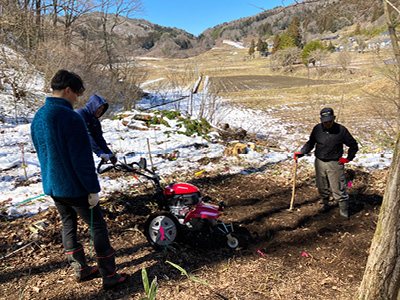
95,108
69,176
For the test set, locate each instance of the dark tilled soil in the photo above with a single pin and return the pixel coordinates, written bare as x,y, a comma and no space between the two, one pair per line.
302,254
261,82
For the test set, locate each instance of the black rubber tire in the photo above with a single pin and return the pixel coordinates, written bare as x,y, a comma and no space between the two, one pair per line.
161,239
236,241
243,235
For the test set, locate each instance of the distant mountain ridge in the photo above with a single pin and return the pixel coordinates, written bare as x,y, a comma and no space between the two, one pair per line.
318,18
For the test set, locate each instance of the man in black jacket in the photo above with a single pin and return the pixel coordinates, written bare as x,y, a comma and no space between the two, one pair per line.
328,138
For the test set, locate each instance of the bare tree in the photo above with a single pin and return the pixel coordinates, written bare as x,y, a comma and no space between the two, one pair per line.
38,24
343,59
381,278
71,11
361,44
114,13
210,101
183,78
20,20
128,92
318,56
286,58
17,75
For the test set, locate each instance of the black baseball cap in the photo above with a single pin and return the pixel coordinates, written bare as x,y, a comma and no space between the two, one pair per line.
327,114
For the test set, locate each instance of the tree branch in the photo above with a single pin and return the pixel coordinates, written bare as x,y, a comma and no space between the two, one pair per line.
394,7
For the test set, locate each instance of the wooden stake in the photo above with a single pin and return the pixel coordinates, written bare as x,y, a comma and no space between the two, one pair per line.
151,160
294,185
21,146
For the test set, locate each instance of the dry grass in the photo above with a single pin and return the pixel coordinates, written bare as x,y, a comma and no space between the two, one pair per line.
362,95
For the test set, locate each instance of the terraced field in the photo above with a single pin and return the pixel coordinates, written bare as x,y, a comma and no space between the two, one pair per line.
228,84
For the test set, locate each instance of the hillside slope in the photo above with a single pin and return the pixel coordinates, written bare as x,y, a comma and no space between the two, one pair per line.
318,18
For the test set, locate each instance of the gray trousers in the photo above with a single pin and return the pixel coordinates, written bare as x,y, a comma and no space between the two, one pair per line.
330,175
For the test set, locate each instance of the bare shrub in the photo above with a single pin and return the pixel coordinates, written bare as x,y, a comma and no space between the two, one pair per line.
318,56
18,76
211,102
383,96
54,55
344,59
128,92
183,78
119,86
286,58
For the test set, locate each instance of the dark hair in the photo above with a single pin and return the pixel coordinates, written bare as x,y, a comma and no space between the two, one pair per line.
63,79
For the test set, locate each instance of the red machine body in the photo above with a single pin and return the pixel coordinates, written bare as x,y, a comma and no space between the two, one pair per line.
188,194
179,189
204,211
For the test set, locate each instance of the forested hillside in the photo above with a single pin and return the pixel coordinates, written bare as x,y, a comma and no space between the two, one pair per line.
317,18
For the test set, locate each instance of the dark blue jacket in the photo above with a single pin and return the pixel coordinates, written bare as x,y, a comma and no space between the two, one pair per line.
93,125
63,148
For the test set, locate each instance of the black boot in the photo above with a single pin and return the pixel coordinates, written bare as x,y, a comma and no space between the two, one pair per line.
108,271
76,258
325,206
344,209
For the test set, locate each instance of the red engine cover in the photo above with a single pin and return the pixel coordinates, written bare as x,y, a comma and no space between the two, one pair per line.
180,188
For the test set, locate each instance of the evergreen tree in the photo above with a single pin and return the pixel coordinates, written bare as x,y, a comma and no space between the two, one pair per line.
252,48
310,47
286,42
264,47
331,47
277,41
293,32
357,31
259,45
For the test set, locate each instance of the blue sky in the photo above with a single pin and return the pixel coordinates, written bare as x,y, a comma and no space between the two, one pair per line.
195,16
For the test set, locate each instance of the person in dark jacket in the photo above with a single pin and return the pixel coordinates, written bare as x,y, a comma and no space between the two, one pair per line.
69,176
95,108
328,137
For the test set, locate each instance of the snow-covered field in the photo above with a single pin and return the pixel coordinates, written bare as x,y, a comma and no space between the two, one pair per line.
18,159
234,44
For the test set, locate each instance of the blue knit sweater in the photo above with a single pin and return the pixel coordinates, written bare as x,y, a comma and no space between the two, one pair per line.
62,144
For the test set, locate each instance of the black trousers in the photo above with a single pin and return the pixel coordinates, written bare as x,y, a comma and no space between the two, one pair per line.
70,209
